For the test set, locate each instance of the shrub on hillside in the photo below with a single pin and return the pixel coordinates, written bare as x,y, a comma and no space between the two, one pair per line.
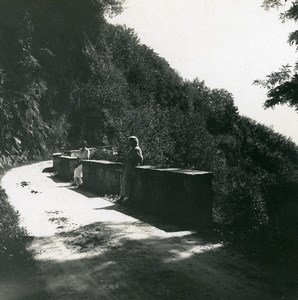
13,238
168,137
105,153
242,202
171,137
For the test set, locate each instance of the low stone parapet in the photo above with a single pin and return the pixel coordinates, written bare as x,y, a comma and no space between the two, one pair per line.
56,161
101,176
66,166
182,195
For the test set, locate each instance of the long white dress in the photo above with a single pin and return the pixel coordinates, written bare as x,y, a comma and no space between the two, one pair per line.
133,158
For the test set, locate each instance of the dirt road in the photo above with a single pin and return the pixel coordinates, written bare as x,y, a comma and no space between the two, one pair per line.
89,248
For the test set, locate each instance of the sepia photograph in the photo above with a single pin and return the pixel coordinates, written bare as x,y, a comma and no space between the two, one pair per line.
148,150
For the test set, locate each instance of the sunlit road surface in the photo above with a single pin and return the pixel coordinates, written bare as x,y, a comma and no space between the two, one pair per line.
89,248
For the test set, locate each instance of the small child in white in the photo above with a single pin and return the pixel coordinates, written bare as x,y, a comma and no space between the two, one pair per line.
84,153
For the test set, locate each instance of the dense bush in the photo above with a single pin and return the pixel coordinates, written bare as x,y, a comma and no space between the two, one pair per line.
13,238
171,137
105,153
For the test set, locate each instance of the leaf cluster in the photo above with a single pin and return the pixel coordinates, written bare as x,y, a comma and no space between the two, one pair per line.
14,239
282,85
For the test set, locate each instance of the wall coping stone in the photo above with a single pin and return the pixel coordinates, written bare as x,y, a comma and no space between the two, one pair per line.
187,172
148,169
68,157
103,162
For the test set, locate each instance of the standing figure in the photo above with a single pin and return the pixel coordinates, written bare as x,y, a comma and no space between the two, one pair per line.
133,158
84,153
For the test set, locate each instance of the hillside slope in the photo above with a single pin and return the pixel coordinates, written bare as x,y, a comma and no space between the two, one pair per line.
67,75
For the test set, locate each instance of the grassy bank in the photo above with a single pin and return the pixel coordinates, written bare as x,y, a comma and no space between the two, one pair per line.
14,239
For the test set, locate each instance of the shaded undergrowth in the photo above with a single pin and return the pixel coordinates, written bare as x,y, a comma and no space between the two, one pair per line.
13,238
18,269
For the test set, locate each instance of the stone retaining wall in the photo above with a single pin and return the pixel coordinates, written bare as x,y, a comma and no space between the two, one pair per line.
182,195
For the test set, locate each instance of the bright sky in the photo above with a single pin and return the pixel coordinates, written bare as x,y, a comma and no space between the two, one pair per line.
227,43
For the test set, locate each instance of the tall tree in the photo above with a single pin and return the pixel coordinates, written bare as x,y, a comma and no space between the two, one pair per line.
42,45
282,86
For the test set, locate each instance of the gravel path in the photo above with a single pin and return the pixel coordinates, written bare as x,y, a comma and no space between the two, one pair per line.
89,248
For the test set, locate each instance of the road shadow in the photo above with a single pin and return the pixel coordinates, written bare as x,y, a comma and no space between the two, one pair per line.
165,224
106,262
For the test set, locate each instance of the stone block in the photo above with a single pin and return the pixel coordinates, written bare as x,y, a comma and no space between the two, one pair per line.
182,195
66,167
56,161
102,177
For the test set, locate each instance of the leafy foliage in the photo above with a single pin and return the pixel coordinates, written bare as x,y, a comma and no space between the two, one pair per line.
282,86
13,238
41,60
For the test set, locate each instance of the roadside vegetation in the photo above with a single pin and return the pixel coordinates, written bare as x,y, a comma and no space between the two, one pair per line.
14,256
